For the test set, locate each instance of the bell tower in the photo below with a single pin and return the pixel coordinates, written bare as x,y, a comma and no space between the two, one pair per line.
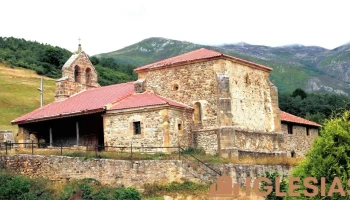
78,74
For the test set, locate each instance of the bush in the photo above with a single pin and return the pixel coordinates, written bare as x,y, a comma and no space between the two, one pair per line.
193,150
329,157
127,193
19,187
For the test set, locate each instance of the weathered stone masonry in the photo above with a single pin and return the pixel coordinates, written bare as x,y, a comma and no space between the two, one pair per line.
249,94
159,127
118,172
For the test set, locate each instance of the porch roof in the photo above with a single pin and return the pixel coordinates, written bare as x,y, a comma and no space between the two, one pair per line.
92,100
113,97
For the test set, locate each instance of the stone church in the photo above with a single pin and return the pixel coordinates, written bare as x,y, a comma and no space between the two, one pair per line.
203,98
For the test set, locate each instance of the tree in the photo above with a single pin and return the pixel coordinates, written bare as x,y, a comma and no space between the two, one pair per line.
329,157
299,92
272,177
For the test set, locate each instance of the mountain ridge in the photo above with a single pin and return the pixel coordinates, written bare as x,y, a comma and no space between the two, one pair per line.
295,66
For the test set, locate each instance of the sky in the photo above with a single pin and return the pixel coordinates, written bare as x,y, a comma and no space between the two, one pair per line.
109,25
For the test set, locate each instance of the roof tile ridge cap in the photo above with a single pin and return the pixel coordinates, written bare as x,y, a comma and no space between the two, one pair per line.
247,61
219,52
150,64
105,86
173,101
76,57
117,101
84,90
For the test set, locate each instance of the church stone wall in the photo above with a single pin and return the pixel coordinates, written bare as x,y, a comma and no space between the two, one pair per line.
253,103
196,83
159,128
298,142
254,106
180,135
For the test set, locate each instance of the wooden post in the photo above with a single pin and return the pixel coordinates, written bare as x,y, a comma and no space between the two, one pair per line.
61,148
77,131
32,147
131,156
50,136
96,146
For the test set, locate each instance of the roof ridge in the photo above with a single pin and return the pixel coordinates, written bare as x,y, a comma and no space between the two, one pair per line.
173,101
116,102
197,55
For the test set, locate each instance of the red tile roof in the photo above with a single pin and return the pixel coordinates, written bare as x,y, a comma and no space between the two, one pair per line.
89,100
284,116
95,100
198,54
145,99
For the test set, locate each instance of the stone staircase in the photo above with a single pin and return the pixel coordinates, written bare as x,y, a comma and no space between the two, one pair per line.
198,169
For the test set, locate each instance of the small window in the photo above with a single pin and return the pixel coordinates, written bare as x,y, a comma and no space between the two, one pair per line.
197,112
292,154
307,131
137,128
290,129
179,127
175,87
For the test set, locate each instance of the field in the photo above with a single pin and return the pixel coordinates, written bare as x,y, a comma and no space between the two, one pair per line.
19,94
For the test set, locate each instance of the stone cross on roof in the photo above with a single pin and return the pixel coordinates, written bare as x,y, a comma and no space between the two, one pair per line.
79,47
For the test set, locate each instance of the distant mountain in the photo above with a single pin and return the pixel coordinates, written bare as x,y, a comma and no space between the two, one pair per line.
312,68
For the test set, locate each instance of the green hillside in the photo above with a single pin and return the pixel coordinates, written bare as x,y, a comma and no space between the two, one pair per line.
19,94
48,60
313,69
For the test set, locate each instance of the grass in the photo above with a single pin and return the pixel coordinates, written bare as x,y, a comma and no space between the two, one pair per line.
19,94
186,190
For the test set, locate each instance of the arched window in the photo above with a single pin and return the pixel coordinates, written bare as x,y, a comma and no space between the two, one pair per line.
77,74
88,76
197,112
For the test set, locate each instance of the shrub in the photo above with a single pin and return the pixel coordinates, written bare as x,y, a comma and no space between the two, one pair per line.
19,187
127,193
193,150
272,177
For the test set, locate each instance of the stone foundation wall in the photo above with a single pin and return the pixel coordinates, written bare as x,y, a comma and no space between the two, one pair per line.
233,142
240,172
258,141
207,140
117,172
